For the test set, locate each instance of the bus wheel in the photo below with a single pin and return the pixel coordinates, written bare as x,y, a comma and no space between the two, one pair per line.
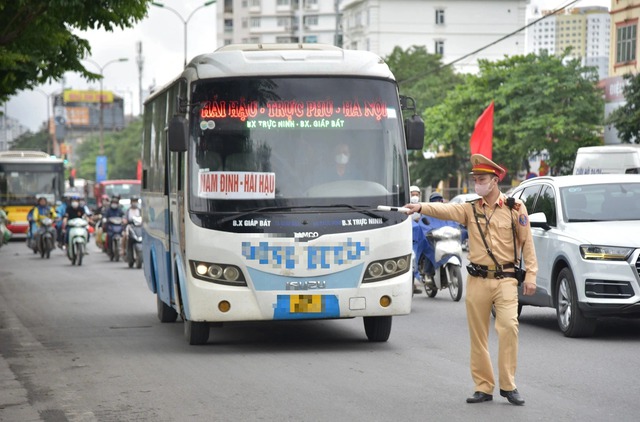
165,312
377,328
196,332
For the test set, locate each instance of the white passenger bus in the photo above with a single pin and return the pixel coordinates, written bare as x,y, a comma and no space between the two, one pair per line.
263,166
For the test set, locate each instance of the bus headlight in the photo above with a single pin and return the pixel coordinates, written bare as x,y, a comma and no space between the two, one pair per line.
218,273
386,268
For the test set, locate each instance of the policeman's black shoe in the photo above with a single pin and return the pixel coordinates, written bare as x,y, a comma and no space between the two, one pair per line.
416,290
479,397
513,397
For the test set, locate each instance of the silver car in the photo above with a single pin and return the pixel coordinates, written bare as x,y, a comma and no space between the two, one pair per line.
586,231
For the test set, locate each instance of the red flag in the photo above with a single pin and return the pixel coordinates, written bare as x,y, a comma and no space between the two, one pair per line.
482,137
139,170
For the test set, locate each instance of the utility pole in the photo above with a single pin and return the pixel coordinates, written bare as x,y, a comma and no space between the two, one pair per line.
140,61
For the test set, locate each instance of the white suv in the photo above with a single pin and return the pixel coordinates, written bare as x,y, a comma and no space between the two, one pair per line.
586,231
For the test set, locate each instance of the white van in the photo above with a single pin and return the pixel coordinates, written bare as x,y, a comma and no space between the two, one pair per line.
620,158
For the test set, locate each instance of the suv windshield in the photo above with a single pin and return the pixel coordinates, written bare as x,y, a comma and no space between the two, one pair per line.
292,142
604,202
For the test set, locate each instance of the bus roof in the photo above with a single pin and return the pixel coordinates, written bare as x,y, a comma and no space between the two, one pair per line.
27,157
288,59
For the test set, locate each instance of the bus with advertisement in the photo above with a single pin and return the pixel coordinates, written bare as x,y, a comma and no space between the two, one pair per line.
262,170
26,176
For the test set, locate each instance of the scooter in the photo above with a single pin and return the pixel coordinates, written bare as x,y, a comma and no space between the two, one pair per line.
46,238
134,242
438,251
78,238
114,237
5,233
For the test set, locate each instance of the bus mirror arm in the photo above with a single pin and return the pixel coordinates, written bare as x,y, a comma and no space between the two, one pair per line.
178,134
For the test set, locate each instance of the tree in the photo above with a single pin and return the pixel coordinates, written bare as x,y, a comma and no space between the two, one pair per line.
626,119
32,141
422,76
542,103
37,43
123,150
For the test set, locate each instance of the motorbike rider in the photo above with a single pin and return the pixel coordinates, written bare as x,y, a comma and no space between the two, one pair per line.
74,210
424,225
61,208
133,211
37,214
114,210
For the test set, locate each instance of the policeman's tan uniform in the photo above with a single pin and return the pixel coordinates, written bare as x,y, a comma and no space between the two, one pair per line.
496,222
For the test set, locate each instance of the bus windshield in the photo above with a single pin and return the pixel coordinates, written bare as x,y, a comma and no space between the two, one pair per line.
286,142
22,184
123,190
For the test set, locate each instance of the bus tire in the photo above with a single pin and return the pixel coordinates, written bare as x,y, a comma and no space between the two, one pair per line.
196,332
377,328
165,312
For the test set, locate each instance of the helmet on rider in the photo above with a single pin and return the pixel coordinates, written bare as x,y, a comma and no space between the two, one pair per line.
115,203
75,201
135,202
436,197
42,201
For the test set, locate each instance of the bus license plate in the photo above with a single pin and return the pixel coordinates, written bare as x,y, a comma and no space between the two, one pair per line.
305,304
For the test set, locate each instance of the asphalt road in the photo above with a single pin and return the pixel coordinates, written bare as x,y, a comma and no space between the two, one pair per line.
84,344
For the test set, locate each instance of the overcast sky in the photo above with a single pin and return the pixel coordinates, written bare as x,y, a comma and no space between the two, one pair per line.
161,33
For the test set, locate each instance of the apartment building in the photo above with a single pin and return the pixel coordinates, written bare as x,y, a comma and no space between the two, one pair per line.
451,28
278,21
10,130
585,31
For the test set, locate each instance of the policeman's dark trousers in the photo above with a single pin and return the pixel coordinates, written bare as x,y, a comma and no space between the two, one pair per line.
481,294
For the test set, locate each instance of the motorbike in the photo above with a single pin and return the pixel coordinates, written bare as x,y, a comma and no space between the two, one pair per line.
134,242
114,237
438,250
45,239
5,233
77,240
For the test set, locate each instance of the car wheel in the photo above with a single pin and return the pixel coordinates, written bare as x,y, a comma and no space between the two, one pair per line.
571,321
196,332
165,312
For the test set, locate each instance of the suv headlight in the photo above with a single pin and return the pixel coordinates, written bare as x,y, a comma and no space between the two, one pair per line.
605,253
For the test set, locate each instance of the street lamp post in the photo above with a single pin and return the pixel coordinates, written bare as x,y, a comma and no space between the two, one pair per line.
102,68
184,21
50,138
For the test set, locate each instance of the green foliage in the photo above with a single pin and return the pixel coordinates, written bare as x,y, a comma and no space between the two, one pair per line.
422,76
123,150
37,43
542,102
626,119
32,141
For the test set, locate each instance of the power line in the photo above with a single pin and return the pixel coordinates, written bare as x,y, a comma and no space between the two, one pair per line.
492,43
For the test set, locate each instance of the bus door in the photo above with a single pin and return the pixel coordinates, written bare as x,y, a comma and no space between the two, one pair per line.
175,170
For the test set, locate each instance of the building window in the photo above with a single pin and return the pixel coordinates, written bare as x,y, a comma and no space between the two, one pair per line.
255,22
311,20
439,16
439,47
284,21
626,43
282,3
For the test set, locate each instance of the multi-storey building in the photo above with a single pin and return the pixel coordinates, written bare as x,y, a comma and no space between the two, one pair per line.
582,30
10,129
623,58
278,21
451,28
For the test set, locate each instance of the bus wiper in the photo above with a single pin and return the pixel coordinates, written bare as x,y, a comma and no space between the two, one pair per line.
362,209
582,220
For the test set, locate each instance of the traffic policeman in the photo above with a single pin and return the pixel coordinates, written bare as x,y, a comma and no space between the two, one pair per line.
492,274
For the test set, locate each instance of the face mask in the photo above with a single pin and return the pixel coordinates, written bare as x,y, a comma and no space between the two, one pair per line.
114,206
342,158
483,190
414,199
74,204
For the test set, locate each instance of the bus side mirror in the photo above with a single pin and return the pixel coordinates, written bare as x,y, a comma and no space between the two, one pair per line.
414,131
178,134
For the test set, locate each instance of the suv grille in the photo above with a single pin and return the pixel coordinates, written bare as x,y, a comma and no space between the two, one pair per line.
607,289
638,265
